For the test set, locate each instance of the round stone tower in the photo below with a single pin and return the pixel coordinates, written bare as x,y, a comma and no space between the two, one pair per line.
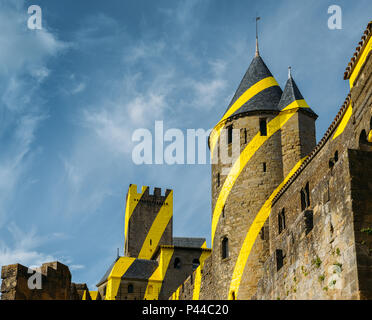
248,136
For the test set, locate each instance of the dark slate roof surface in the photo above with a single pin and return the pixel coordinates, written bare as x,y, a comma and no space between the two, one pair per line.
188,242
104,278
141,269
290,94
265,100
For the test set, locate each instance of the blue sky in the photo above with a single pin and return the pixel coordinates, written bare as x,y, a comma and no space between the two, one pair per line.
72,94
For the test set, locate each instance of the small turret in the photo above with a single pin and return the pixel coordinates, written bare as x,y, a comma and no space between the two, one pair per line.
298,134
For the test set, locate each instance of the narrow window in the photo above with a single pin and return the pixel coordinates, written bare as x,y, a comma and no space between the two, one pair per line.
264,166
262,233
281,221
362,139
263,127
364,144
218,179
309,221
336,156
303,201
195,264
233,295
130,288
279,259
225,248
245,135
150,242
307,193
331,163
229,134
305,197
177,263
223,212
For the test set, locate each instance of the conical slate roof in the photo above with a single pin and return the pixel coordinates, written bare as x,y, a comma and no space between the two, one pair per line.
291,94
266,99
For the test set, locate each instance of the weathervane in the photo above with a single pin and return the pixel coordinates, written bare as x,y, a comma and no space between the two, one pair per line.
257,52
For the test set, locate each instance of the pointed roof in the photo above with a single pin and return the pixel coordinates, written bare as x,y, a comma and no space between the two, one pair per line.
266,99
291,94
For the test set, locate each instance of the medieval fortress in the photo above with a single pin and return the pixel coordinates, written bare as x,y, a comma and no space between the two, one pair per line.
292,219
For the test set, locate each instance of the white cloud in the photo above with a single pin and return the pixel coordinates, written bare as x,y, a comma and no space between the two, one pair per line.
23,59
79,88
208,93
23,249
73,174
76,267
143,50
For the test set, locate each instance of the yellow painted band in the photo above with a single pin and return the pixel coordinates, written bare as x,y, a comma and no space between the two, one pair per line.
247,95
198,275
360,62
345,120
297,104
273,126
132,201
113,281
156,279
157,228
370,136
93,294
252,234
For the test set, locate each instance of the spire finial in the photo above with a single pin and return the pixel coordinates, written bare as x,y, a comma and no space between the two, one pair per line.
257,51
289,72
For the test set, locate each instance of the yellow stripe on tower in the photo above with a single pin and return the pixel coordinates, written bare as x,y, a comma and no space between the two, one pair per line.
252,234
156,279
247,95
113,281
297,104
345,120
132,201
93,294
157,228
198,275
367,49
273,126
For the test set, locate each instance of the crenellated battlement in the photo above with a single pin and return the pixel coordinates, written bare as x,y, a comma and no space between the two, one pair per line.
20,283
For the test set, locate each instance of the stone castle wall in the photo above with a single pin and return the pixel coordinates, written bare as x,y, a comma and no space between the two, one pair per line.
55,283
333,258
325,249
